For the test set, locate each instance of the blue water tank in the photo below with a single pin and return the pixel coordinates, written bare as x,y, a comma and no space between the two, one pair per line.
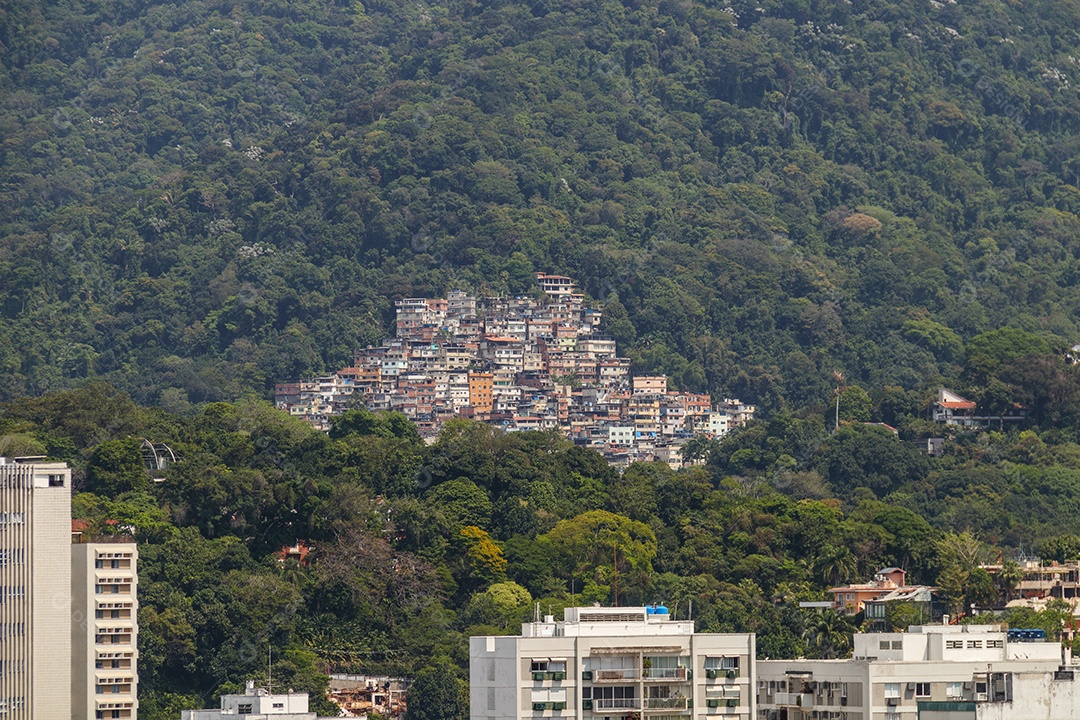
660,610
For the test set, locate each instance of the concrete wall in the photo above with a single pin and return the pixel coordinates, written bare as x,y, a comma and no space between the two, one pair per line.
1038,696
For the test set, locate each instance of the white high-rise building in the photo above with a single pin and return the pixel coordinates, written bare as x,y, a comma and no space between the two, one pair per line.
938,672
35,589
104,629
611,663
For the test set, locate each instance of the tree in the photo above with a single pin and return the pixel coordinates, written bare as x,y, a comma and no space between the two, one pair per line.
462,501
988,352
872,457
855,404
437,694
1009,577
590,544
116,467
485,557
902,615
836,565
828,635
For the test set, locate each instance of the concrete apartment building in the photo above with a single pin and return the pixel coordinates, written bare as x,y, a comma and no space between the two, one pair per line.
935,672
604,663
104,630
256,704
35,589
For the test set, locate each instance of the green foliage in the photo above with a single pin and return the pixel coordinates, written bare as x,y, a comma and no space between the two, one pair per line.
116,467
396,579
201,206
438,694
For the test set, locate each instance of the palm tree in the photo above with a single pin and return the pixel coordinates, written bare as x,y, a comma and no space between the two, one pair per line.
840,384
836,565
828,636
1010,575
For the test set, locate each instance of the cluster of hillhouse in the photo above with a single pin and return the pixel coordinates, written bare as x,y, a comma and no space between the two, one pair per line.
535,362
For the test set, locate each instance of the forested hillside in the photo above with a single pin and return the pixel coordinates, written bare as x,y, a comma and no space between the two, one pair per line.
201,197
418,547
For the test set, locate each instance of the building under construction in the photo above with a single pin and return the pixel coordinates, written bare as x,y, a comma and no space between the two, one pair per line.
361,695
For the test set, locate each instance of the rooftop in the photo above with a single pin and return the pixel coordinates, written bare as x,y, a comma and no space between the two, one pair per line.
600,621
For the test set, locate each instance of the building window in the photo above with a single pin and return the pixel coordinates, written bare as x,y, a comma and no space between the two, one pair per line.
954,644
243,709
954,690
922,689
995,643
892,690
977,644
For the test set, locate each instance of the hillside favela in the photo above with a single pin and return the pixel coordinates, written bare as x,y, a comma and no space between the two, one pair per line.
540,359
539,362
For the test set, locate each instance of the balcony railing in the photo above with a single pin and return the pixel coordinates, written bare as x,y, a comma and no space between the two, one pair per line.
666,703
676,674
616,703
614,675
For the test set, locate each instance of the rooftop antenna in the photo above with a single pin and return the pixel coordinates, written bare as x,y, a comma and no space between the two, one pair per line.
536,613
691,611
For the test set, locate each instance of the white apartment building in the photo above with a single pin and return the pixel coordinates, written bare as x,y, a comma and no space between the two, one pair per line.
929,672
35,589
604,663
104,630
256,704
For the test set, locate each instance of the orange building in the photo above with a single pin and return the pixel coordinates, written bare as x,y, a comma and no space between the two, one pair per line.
480,387
850,599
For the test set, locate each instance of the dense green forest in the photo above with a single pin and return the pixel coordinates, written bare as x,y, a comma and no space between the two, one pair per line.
417,547
203,197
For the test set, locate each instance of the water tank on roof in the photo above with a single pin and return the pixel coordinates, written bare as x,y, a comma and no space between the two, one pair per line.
656,610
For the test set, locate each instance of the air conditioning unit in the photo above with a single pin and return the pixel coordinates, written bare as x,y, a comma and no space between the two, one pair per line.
980,697
732,702
586,675
539,706
892,701
539,675
586,704
712,702
558,706
732,674
843,700
710,673
558,676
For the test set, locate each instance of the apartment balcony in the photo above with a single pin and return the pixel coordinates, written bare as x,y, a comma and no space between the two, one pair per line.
600,704
675,703
666,674
614,676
